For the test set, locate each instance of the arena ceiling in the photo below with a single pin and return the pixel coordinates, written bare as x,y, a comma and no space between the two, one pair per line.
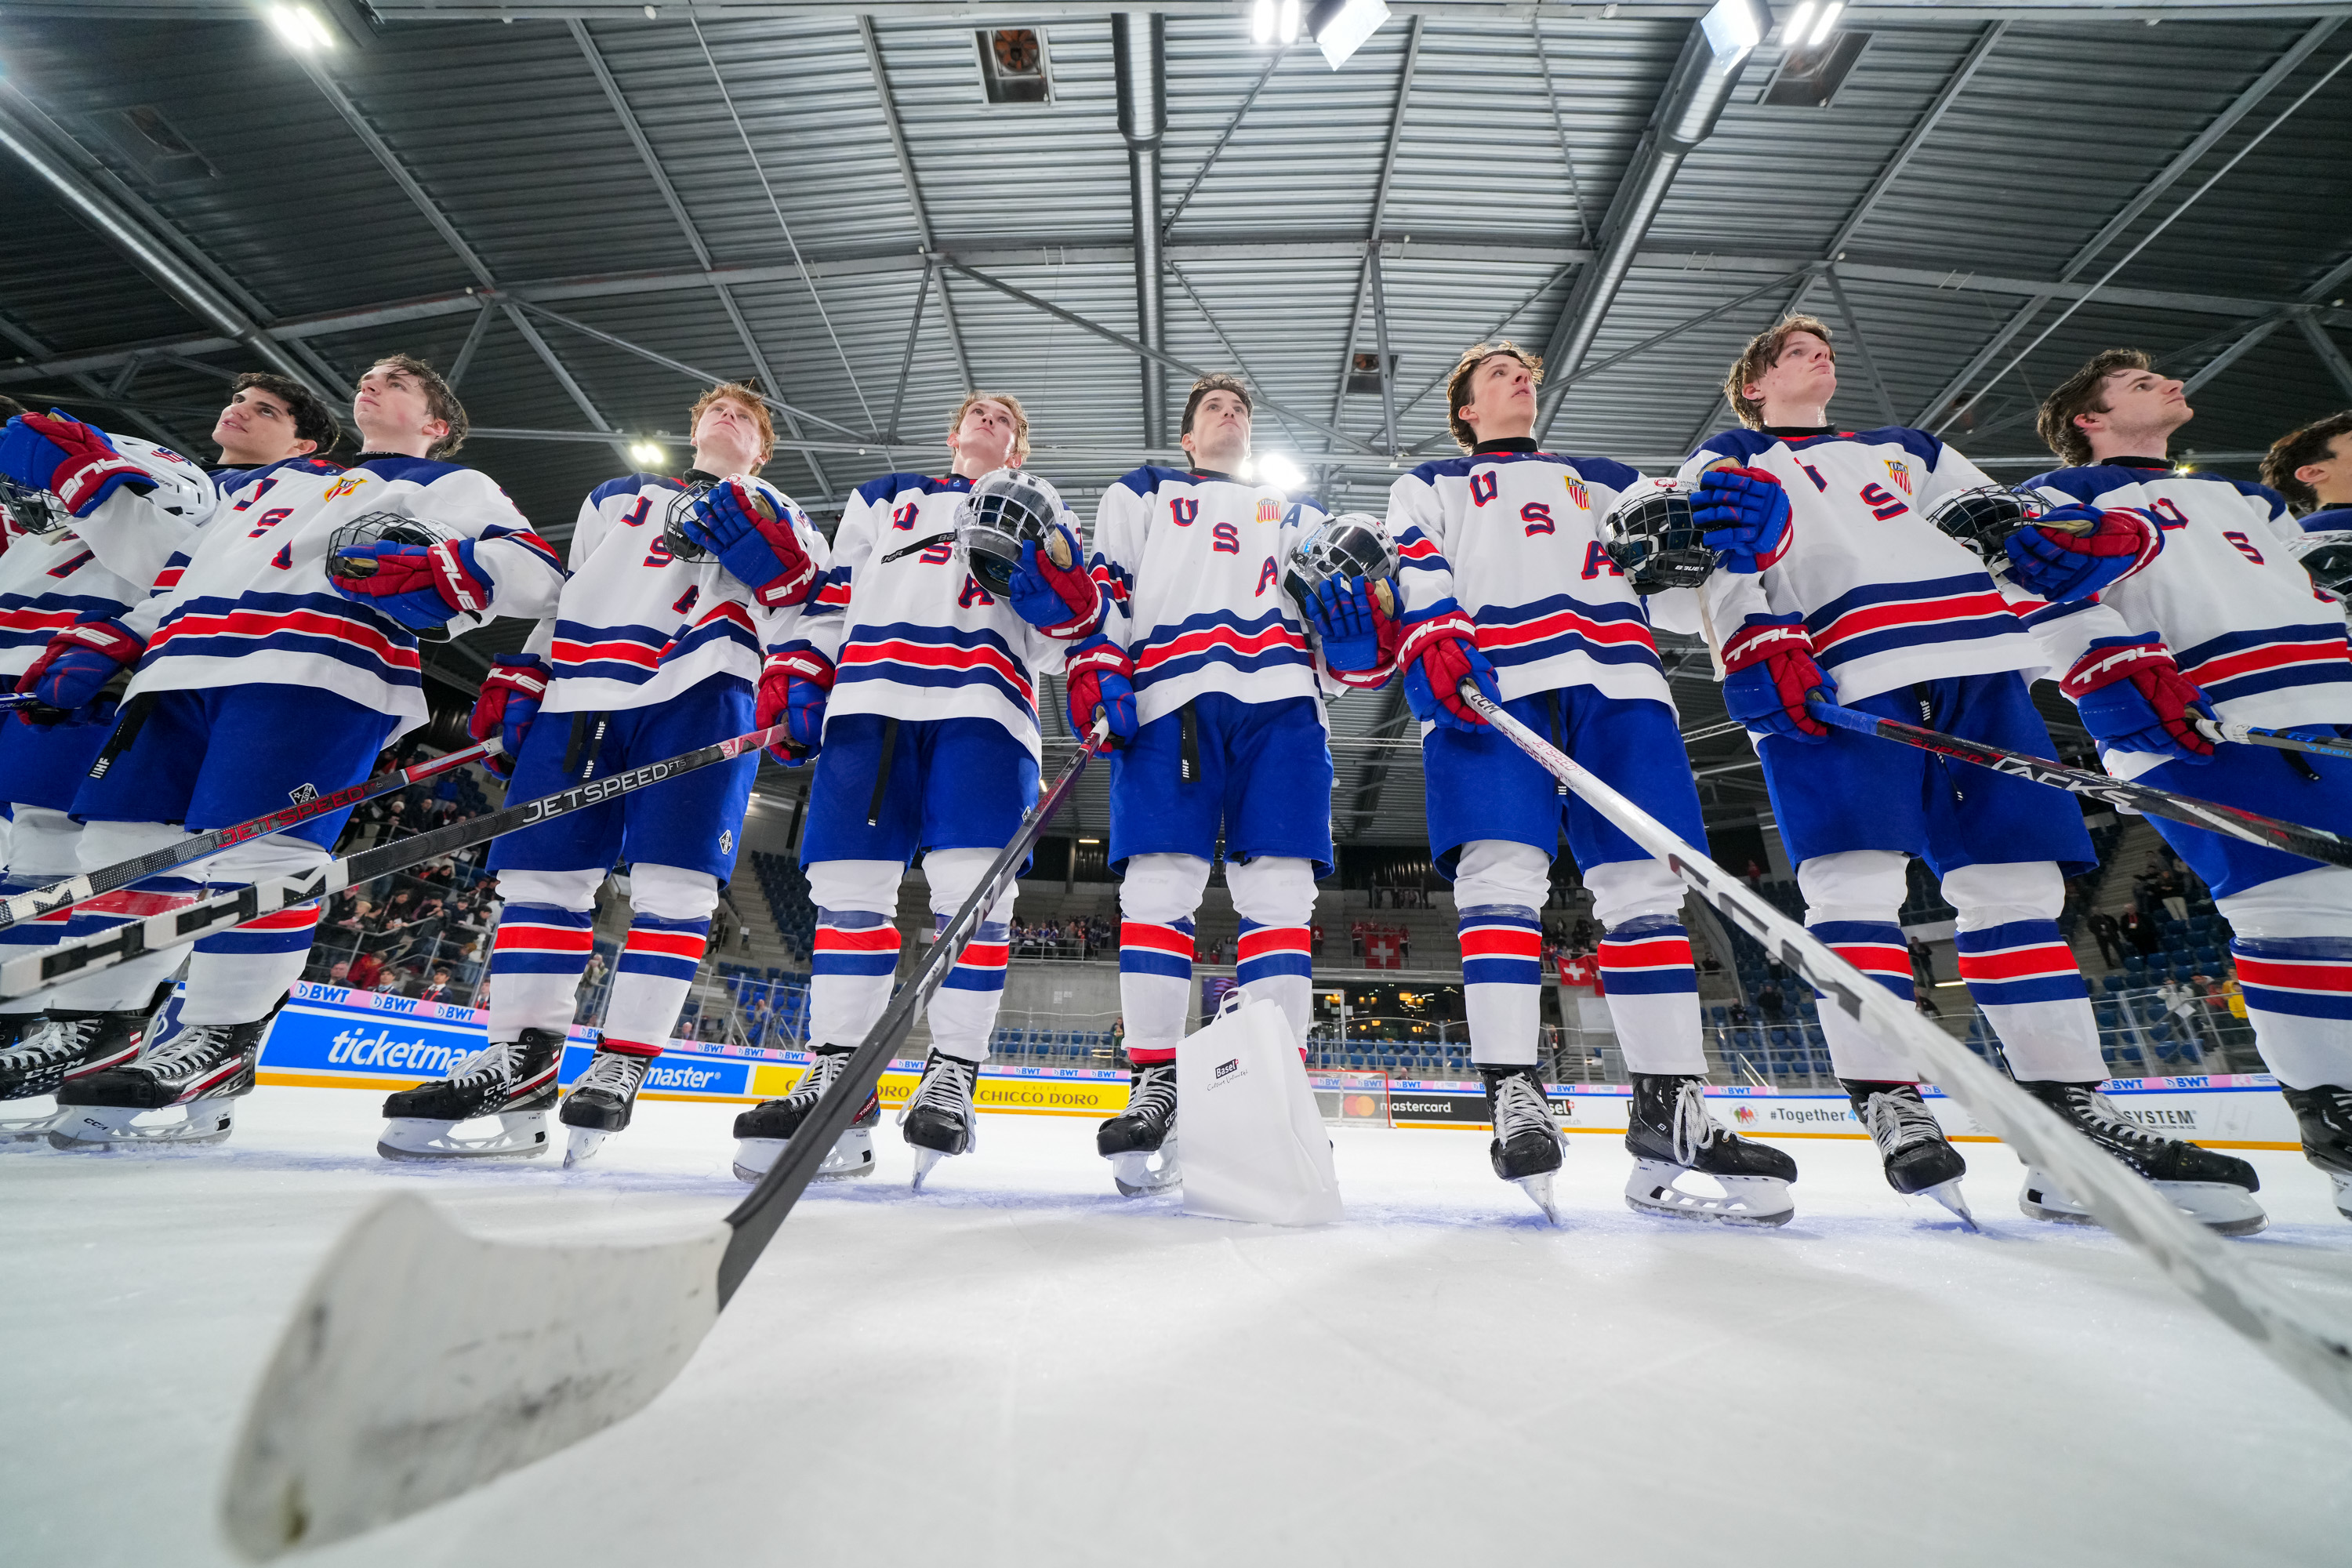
584,211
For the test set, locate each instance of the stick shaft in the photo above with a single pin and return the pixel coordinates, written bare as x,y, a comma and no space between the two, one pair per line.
2125,1205
2312,843
2278,740
755,1219
39,970
59,896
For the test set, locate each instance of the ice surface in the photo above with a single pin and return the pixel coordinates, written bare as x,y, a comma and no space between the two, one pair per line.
1020,1367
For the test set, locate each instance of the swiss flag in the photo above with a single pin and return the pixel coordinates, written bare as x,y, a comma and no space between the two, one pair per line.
1381,951
1579,970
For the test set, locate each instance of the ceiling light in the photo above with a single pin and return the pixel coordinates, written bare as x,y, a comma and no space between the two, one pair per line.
1090,841
1261,22
1822,28
1280,471
301,27
1733,28
1340,26
1289,30
1793,34
647,453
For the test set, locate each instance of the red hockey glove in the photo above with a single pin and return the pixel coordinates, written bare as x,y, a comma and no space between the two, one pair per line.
72,460
793,687
1101,681
1062,601
510,696
753,537
1438,656
2073,552
2133,697
420,585
74,667
1769,675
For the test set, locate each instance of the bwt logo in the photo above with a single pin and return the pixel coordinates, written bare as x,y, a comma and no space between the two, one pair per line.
1231,1067
354,1047
680,1077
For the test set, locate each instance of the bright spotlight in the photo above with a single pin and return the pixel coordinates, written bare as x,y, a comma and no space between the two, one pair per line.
1340,26
648,455
1733,28
301,27
1822,28
1261,22
1289,30
1276,470
1793,34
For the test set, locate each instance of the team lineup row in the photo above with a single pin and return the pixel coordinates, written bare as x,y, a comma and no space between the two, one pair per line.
267,611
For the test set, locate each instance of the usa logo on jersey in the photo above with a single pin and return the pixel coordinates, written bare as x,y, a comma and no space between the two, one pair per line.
1578,493
1269,511
1900,472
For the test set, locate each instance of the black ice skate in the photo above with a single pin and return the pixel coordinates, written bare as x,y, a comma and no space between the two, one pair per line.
600,1103
2325,1115
42,1053
1671,1136
1526,1145
201,1070
938,1120
1918,1159
1141,1142
761,1132
2215,1190
513,1080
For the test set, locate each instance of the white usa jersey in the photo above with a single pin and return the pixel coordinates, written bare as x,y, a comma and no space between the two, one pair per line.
635,625
248,603
99,566
911,633
1191,566
1887,599
2241,616
1512,540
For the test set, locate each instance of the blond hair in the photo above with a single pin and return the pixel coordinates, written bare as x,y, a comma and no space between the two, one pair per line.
1012,406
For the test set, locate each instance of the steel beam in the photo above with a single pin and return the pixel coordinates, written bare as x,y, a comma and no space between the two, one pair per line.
1379,214
2324,347
1216,148
1139,41
577,393
470,347
899,149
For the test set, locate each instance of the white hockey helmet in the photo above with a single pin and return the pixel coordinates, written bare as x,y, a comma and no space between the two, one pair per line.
1352,544
1007,508
1653,537
179,487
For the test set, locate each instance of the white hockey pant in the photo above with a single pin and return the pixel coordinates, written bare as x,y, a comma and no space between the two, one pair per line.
2019,969
2291,940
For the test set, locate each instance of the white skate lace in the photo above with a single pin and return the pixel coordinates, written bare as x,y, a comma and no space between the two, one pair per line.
51,1042
615,1073
1154,1093
191,1051
946,1086
819,1076
1898,1123
2098,1116
493,1063
1520,1107
1694,1130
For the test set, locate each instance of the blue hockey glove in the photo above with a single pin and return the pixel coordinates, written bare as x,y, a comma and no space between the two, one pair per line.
794,689
754,538
420,585
1344,617
73,670
510,696
1743,516
2073,552
1062,601
1438,656
74,461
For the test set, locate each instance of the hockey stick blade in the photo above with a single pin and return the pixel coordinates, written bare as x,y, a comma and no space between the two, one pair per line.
2233,822
2278,740
45,967
2194,1259
422,1362
59,896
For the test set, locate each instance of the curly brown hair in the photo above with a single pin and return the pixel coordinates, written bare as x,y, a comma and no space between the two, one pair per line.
2084,392
1762,353
440,402
1457,383
2312,444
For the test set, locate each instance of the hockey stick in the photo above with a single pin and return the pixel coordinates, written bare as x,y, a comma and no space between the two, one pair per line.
2279,740
2192,1258
59,896
422,1362
2311,843
43,967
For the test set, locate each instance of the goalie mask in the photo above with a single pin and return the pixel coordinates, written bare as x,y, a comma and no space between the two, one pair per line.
1983,516
1653,538
2327,556
1008,508
180,488
377,528
1352,544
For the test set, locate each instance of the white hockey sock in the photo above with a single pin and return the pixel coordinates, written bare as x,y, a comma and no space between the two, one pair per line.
856,948
962,1012
1275,896
1645,966
2293,951
2023,973
43,848
1497,887
542,948
1155,951
1852,899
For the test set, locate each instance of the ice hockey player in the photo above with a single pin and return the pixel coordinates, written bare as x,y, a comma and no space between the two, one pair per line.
2224,621
1870,603
2312,468
97,558
260,679
1507,583
1215,692
678,587
919,683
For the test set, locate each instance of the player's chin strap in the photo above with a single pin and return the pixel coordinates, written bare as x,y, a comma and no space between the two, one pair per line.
2231,821
2133,1209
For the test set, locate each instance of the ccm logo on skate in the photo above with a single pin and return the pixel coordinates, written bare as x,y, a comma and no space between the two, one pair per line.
1233,1066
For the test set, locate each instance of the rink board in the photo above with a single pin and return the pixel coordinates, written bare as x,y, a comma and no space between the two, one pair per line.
332,1038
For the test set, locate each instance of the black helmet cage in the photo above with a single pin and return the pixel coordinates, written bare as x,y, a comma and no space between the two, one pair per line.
1653,537
2327,556
377,526
1352,544
681,508
32,510
1983,516
1007,508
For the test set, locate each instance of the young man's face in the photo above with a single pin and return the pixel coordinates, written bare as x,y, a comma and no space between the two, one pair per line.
726,439
258,427
2330,478
1804,375
2141,403
983,441
1502,399
1219,436
393,412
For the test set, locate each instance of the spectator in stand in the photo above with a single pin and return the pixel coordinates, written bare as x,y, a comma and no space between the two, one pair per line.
1923,966
2172,895
366,970
1754,875
1118,1041
340,973
436,989
2110,938
1769,1001
2141,931
1739,1017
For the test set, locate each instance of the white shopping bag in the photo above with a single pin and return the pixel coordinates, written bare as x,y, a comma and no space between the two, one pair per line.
1255,1144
